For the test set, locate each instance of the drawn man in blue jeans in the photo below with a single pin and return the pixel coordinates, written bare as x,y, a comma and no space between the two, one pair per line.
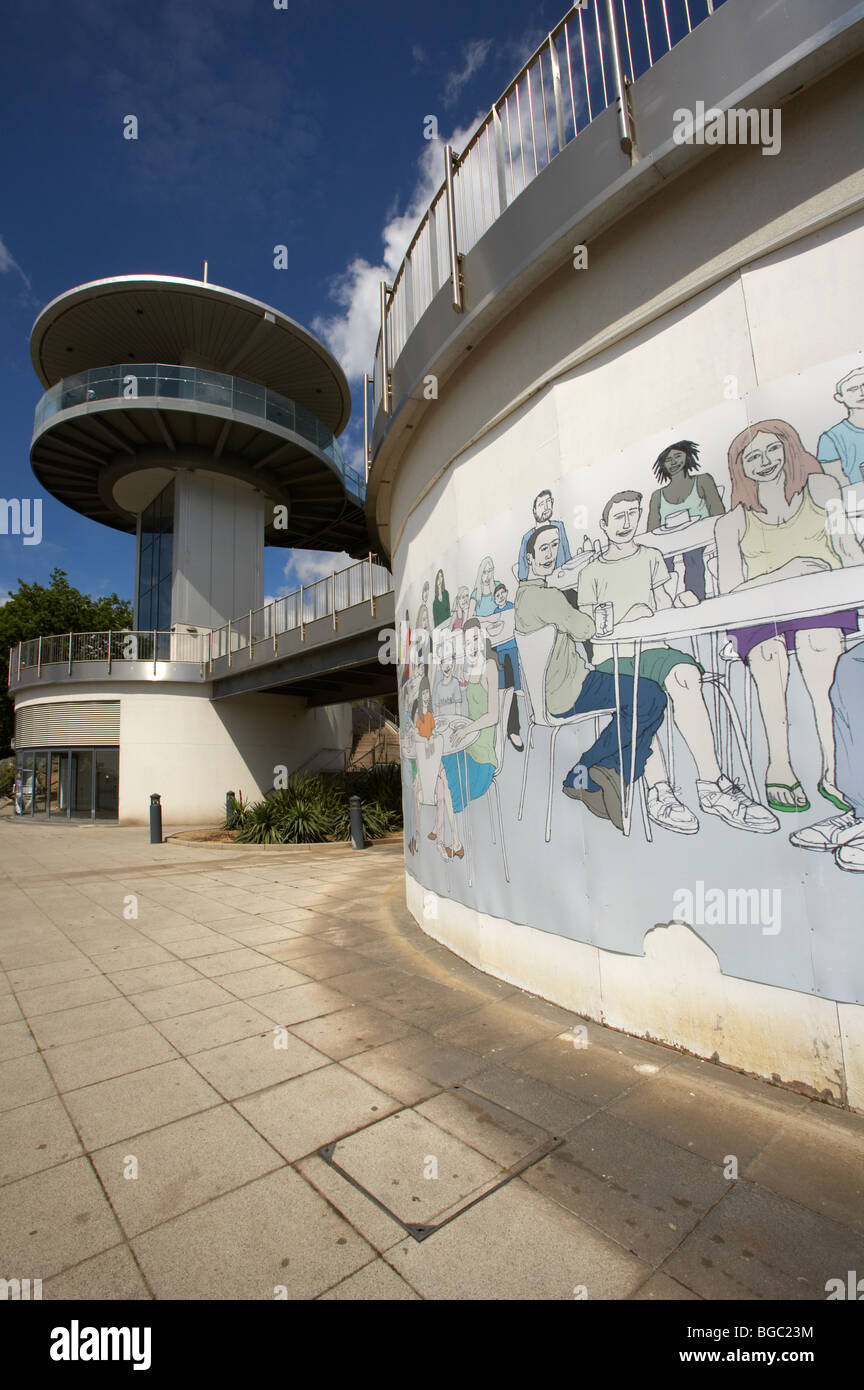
572,689
843,835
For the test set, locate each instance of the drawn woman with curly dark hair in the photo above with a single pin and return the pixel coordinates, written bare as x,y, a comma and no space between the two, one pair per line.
681,492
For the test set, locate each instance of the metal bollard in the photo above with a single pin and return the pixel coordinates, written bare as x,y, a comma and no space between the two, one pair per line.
229,806
356,814
155,818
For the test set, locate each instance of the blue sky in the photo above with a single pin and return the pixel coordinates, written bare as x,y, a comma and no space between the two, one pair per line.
257,127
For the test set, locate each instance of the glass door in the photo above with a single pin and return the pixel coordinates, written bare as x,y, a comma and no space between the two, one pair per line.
107,767
58,786
40,784
81,783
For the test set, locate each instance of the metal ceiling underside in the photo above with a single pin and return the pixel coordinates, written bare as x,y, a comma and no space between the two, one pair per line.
71,457
165,319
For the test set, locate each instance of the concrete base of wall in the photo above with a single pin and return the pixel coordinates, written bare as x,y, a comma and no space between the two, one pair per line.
674,993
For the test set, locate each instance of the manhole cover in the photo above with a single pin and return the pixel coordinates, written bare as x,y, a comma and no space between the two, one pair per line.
419,1174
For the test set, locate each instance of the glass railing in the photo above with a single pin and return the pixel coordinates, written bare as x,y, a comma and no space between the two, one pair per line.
140,380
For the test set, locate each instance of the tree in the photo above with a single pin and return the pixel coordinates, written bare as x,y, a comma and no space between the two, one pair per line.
36,611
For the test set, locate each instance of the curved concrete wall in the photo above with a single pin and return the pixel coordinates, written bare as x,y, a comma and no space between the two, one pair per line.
732,297
193,750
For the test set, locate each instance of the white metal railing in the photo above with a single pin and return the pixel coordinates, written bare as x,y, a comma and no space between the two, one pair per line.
363,582
585,64
108,648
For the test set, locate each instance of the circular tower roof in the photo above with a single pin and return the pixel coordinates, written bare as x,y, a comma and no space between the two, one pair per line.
163,318
152,372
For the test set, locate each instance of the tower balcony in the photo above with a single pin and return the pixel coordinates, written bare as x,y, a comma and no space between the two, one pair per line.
94,428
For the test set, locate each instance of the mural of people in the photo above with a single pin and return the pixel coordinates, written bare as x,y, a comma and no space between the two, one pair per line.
633,578
448,696
843,835
684,494
460,614
441,601
544,505
841,448
778,529
470,769
508,665
430,784
572,689
482,603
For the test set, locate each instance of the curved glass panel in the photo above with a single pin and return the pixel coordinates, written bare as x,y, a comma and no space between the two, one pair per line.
132,380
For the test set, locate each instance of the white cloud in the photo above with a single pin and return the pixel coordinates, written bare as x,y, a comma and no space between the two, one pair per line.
475,56
305,566
8,262
352,334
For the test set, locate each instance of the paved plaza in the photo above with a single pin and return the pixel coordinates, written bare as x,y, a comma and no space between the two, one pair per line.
234,1073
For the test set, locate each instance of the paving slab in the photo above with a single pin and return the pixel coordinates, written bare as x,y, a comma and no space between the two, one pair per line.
83,1063
517,1245
141,1100
181,1166
698,1117
353,1030
296,1005
755,1245
302,1115
55,1219
552,1110
35,1136
818,1162
415,1168
641,1191
147,977
173,1000
253,1064
274,1234
49,999
85,1021
261,979
110,1277
35,976
206,1028
24,1080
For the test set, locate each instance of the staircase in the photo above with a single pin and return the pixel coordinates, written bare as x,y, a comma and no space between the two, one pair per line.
376,746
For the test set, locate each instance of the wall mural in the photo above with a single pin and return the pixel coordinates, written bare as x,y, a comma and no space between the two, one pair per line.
639,695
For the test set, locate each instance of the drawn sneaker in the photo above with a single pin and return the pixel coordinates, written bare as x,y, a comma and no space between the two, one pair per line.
850,856
725,799
665,809
829,834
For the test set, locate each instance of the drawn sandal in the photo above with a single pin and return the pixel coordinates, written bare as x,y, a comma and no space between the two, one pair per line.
835,800
785,805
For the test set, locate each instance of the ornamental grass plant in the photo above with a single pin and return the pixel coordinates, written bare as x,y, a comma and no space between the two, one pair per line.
313,808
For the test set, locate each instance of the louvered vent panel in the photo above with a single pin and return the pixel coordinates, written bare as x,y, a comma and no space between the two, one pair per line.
62,722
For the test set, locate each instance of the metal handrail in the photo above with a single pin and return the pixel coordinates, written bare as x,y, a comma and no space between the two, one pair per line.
110,647
363,582
590,66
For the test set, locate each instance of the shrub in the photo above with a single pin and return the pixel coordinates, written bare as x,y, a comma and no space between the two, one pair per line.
313,808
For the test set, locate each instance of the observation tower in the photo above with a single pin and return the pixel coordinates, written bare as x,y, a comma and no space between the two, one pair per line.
207,425
203,422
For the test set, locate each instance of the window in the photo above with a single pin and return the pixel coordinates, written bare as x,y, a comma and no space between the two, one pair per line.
154,563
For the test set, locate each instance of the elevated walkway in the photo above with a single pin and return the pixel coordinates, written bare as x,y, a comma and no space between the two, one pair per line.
320,642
